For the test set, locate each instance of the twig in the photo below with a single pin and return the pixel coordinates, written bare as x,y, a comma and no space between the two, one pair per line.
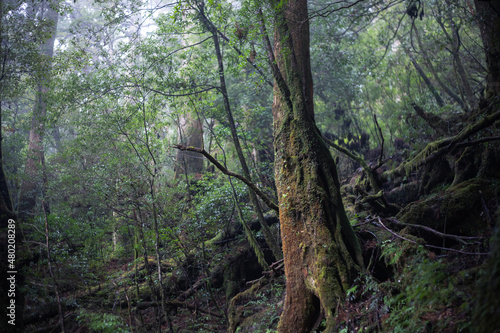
257,280
277,265
457,251
431,246
455,237
394,233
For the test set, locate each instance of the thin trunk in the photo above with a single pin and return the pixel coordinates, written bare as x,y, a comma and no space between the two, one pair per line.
146,263
428,82
268,235
432,69
158,261
457,61
321,252
248,232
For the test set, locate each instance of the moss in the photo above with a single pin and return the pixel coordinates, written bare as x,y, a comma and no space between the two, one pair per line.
211,242
455,210
408,167
237,313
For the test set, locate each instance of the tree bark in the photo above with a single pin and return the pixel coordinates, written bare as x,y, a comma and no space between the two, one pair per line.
321,252
191,135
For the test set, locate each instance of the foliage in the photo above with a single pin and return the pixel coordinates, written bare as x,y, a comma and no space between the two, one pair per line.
215,205
130,78
423,294
102,322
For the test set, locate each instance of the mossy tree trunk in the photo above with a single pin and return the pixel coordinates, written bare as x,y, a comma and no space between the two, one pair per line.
321,251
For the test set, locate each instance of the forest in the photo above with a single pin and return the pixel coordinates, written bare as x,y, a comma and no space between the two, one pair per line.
241,166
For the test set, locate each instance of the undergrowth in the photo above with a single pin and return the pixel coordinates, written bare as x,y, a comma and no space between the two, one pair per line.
426,294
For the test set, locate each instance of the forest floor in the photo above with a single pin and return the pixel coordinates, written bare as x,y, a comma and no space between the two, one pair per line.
418,279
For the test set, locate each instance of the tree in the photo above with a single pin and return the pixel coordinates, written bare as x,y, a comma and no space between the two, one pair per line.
321,252
33,185
270,240
19,42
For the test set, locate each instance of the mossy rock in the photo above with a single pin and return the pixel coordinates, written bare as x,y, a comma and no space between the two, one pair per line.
403,194
457,210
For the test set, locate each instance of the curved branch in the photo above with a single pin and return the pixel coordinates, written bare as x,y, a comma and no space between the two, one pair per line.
225,171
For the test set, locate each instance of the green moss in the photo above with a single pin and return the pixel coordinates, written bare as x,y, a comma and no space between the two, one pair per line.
214,240
409,166
457,209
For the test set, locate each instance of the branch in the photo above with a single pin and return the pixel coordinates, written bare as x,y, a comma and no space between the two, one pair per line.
428,245
248,59
179,94
225,171
278,77
324,12
435,232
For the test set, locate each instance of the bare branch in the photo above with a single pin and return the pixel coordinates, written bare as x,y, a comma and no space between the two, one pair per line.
225,171
428,245
324,12
460,239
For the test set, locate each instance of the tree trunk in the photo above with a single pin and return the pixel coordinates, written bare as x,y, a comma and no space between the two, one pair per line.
428,82
432,69
488,13
454,50
321,251
267,233
35,179
190,134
